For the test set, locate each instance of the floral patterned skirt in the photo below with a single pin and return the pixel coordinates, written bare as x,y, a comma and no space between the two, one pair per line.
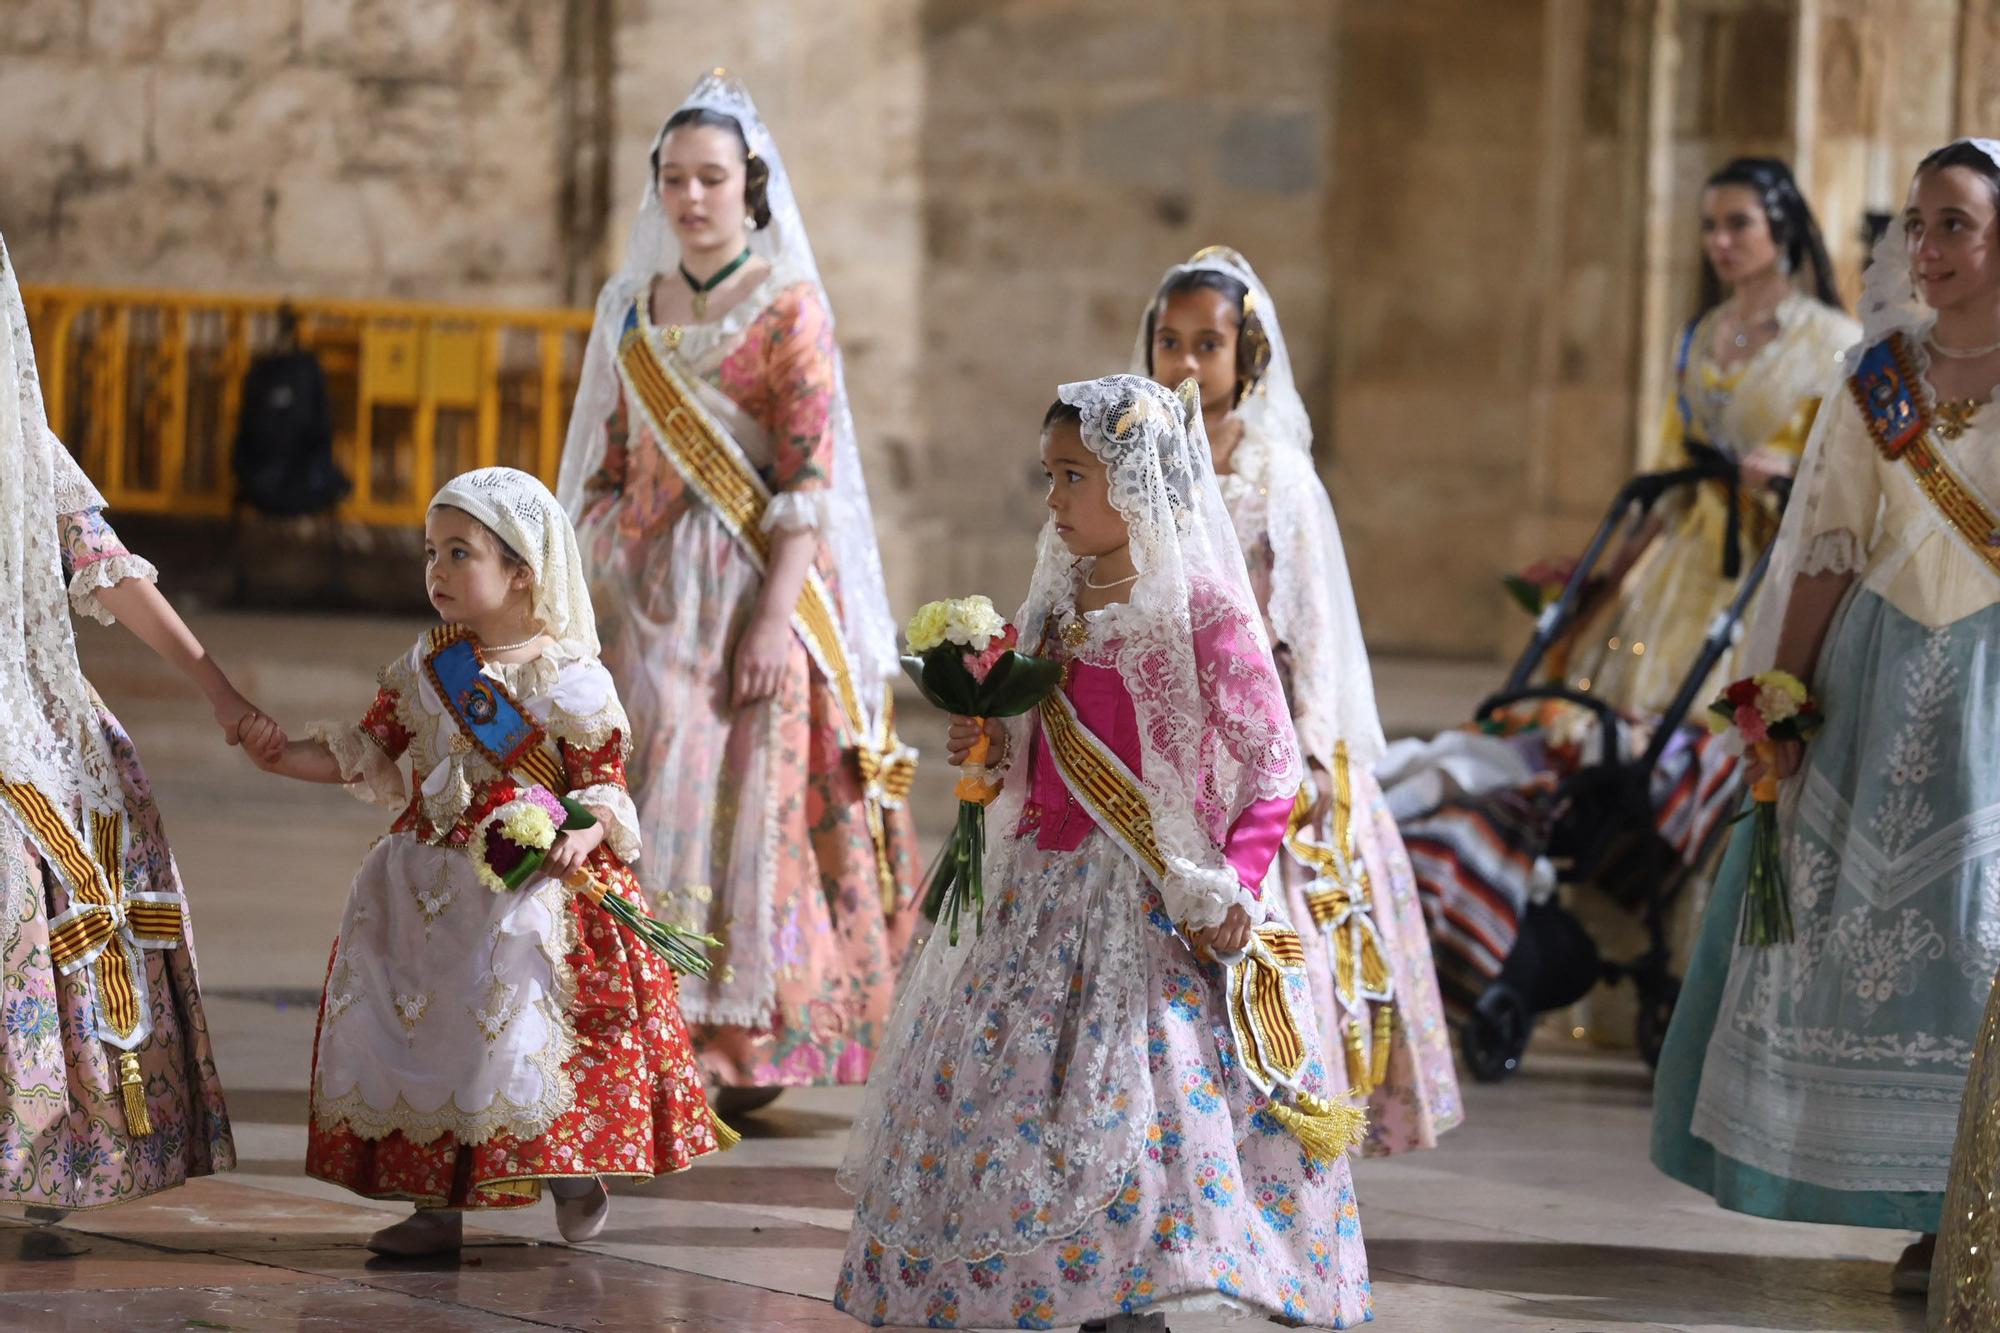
753,820
63,1142
639,1109
1833,1066
1417,1099
1059,1130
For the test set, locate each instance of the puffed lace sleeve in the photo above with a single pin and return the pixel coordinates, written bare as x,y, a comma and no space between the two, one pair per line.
367,751
1838,493
592,734
95,559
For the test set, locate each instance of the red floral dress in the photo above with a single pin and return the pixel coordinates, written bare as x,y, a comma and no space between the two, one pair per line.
627,1099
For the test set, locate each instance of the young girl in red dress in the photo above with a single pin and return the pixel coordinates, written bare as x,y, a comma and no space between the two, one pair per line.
476,1042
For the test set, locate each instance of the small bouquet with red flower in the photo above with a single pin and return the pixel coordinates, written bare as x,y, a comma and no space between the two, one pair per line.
1764,710
514,841
965,660
1536,588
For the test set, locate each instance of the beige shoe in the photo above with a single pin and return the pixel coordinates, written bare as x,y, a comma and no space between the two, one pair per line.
426,1232
1912,1274
582,1208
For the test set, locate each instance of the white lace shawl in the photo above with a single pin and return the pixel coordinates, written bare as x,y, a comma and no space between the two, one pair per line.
49,732
521,511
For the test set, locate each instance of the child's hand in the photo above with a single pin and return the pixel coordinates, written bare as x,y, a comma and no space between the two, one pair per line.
1229,935
571,850
264,741
965,731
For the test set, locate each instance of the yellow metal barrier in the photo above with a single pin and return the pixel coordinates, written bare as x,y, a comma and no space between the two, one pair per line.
145,386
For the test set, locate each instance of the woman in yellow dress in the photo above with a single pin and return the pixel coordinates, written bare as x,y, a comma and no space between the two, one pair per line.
1749,371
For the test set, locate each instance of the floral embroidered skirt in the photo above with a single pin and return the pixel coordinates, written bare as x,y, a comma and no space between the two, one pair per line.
1417,1099
753,819
1830,1069
63,1142
638,1108
1059,1130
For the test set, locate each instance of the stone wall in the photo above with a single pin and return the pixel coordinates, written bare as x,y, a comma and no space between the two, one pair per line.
1071,151
350,147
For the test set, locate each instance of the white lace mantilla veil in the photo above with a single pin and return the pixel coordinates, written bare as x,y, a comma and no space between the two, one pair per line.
49,731
1889,304
1215,737
520,510
1312,609
652,249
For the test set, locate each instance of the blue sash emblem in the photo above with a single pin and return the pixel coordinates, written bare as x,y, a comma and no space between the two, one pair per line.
482,708
1887,398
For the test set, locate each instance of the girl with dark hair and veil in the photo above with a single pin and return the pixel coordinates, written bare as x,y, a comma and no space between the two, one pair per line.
1819,1079
712,470
1342,872
1748,373
1080,1113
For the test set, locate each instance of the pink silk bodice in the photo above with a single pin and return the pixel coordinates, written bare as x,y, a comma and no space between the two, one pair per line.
1059,821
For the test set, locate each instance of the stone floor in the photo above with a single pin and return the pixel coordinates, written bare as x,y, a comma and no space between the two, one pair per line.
1541,1213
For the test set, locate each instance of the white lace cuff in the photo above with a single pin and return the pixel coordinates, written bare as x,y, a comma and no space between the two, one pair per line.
1197,897
86,583
799,511
1835,552
370,774
621,828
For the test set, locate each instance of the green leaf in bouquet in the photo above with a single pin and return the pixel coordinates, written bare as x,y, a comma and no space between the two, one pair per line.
1017,683
946,678
576,816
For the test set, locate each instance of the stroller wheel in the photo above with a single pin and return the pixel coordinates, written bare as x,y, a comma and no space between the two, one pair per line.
1496,1033
1656,1011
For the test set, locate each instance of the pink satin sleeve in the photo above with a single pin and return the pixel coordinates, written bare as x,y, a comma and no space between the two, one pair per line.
1254,840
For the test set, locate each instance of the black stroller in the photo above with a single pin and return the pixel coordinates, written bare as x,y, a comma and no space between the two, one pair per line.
1604,830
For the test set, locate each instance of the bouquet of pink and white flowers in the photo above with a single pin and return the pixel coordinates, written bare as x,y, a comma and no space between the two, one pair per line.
964,659
512,843
1763,710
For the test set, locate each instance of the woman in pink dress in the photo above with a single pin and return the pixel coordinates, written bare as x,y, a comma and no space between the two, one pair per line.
727,536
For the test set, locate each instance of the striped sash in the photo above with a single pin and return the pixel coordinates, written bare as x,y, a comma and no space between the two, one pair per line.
1884,387
1266,1030
1341,902
714,468
103,931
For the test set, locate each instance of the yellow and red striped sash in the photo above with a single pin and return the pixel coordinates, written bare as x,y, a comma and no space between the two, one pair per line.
1341,901
103,930
714,467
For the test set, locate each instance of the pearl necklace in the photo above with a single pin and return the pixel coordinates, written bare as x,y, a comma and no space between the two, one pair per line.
512,647
1961,353
1106,587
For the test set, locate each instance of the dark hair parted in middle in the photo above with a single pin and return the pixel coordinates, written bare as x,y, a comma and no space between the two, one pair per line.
756,171
1253,345
1793,227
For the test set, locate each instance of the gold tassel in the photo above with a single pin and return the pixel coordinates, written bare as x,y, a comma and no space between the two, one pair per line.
725,1137
1357,1060
1326,1130
1385,1022
137,1122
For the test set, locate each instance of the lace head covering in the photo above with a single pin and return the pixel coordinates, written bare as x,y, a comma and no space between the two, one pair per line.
1189,644
1271,408
1890,304
653,249
1311,609
49,731
522,513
